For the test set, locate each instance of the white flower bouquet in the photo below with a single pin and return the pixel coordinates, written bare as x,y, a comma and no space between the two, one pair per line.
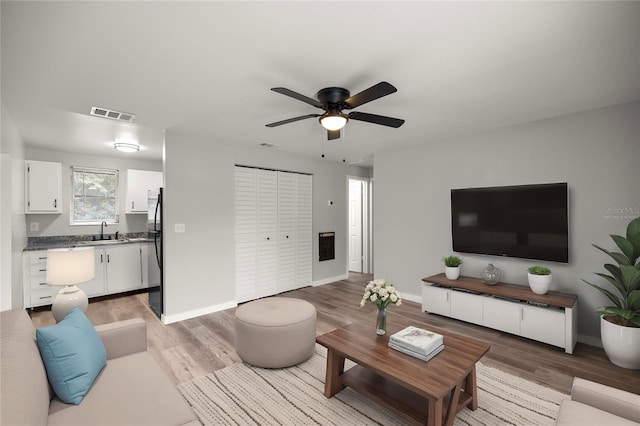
381,294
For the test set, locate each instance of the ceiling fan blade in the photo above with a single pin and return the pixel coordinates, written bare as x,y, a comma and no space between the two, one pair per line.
372,93
333,134
297,96
291,120
376,119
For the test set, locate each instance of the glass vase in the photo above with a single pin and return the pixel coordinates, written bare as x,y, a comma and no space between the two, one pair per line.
381,321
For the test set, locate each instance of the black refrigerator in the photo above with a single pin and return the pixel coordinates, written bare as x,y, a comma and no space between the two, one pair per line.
154,234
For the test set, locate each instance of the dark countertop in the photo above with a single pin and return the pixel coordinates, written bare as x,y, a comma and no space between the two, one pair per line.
63,241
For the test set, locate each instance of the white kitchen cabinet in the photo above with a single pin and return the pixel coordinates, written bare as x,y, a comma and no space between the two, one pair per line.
273,234
139,182
123,268
43,187
118,268
96,287
144,262
36,292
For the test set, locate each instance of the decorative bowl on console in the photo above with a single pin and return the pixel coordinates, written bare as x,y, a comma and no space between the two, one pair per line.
490,274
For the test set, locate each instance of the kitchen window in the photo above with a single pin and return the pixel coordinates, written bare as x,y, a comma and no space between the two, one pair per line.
94,196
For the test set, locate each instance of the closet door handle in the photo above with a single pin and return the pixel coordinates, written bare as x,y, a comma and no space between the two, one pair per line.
55,202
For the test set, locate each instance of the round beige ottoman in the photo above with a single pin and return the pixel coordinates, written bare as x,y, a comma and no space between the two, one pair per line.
275,332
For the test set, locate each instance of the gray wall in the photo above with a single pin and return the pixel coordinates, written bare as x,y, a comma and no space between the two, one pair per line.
597,152
58,224
199,176
13,234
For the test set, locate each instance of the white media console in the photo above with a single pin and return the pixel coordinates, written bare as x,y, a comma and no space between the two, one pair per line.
550,318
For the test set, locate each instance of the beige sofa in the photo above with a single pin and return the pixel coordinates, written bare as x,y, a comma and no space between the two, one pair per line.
130,390
599,405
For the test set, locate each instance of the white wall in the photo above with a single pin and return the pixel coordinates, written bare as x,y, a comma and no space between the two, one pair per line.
597,152
13,235
58,224
199,176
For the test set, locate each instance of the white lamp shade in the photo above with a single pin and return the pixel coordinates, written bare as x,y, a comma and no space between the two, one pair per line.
70,266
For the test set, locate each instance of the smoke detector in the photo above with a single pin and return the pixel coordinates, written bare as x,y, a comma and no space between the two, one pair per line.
112,114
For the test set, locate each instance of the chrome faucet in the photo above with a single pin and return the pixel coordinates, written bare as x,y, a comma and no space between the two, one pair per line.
102,226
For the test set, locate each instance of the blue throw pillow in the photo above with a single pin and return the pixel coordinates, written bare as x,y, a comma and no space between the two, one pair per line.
73,355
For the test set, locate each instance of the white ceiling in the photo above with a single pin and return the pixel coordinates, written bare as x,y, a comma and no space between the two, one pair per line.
205,68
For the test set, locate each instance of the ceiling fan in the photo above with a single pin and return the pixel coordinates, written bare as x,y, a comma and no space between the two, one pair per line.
334,99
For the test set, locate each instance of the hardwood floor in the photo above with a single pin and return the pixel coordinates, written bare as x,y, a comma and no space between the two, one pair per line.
200,345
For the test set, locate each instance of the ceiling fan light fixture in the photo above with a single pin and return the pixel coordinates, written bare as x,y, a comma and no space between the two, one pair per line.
126,147
333,121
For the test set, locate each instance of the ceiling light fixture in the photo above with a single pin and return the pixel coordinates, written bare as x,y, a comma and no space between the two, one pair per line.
333,120
126,147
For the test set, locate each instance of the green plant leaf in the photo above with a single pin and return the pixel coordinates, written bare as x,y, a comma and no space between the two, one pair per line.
633,301
614,270
625,245
630,278
615,299
616,283
633,235
620,258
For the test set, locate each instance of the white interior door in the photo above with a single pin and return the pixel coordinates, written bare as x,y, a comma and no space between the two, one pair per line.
355,225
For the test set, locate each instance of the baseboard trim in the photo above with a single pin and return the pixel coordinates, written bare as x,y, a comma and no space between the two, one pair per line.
590,340
170,319
329,280
411,298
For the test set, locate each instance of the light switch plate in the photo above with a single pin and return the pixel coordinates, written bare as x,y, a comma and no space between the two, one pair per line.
179,227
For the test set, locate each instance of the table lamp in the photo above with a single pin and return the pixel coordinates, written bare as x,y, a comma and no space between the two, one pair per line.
68,267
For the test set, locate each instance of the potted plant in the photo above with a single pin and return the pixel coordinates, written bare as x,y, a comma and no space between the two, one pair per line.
620,322
539,279
452,267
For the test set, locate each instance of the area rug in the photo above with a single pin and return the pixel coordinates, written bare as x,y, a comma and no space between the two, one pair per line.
244,395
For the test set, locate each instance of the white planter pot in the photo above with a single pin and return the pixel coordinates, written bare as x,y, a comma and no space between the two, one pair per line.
539,283
621,344
452,272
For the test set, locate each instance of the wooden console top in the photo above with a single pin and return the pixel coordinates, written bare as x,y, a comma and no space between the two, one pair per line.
511,291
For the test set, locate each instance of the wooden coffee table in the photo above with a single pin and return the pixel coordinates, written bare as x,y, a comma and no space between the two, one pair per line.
430,393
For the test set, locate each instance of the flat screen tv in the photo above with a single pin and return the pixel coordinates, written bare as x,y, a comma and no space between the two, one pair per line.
525,221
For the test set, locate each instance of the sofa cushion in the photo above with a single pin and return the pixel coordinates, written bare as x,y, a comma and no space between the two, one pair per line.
131,390
574,413
73,355
24,388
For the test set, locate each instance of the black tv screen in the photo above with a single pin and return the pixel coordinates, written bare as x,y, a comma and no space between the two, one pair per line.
525,221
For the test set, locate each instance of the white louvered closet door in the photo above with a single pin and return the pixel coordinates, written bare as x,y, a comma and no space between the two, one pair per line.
273,241
267,232
304,230
286,231
246,233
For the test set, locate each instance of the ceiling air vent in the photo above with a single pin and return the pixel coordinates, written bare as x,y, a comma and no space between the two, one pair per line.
114,115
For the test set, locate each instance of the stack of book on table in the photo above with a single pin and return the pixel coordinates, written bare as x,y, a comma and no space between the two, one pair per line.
423,344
